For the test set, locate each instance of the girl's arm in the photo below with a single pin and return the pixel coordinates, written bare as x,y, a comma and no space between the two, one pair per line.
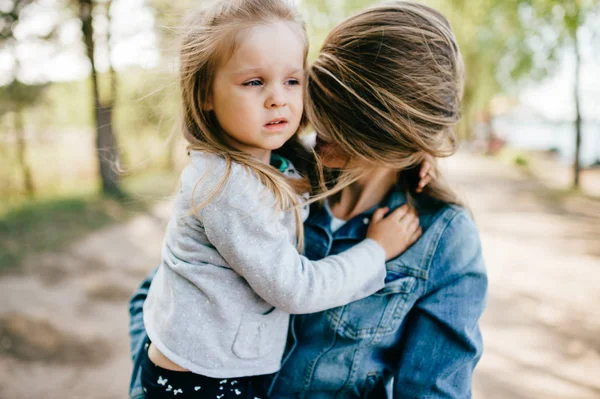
442,342
251,238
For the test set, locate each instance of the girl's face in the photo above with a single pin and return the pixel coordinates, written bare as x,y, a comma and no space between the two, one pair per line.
257,94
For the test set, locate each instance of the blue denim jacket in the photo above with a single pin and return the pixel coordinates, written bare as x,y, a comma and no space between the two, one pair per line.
416,338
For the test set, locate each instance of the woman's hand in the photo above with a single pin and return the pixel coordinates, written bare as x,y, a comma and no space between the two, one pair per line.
396,232
427,172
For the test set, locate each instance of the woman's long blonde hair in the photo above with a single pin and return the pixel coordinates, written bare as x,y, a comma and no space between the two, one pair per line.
209,38
386,88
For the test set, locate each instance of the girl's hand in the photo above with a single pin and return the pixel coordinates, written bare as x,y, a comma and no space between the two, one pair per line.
427,172
396,232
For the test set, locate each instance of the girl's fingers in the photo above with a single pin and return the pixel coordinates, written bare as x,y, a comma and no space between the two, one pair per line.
412,225
415,226
408,221
379,214
399,213
416,235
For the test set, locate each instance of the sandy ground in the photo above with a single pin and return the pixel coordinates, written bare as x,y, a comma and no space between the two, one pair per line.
63,322
542,324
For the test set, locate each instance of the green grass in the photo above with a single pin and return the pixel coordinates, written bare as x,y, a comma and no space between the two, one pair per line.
53,223
521,160
515,157
526,162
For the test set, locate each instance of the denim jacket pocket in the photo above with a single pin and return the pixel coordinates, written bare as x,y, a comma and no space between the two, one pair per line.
378,314
397,283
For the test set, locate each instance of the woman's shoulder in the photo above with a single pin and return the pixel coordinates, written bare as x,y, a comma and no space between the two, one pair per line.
440,217
451,221
456,245
445,228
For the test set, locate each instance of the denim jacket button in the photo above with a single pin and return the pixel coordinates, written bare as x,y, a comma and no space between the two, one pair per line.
366,220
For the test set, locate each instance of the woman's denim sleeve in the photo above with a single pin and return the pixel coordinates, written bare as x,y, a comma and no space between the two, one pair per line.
442,342
137,334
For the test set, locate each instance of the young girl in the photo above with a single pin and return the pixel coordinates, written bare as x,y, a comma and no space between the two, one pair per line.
218,309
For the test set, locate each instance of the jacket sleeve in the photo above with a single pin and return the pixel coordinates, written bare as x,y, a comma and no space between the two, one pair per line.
442,342
243,226
137,334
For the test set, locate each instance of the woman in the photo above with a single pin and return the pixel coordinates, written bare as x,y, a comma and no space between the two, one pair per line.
383,94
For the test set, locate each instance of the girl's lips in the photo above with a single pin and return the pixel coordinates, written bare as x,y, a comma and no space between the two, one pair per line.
277,127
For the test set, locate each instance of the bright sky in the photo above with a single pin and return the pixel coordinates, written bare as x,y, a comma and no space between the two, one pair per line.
134,38
553,98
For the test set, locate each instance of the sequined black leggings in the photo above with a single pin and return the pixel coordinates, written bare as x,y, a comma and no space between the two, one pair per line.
159,383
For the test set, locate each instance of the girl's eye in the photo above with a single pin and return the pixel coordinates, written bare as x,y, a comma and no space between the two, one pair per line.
293,82
254,82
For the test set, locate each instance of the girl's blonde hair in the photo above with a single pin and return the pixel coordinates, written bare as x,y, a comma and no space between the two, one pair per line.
209,39
386,88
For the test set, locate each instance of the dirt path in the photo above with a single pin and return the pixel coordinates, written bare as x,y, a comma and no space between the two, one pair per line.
542,324
63,324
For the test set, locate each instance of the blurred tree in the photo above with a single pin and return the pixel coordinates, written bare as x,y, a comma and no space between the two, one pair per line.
551,27
15,96
106,143
506,42
567,18
167,15
322,15
484,33
10,12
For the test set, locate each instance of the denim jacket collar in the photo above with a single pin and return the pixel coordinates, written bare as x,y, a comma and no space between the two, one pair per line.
411,262
355,228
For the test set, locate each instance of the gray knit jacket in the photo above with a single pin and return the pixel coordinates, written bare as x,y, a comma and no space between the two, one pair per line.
230,276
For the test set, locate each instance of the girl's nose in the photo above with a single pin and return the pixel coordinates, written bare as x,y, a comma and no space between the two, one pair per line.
276,98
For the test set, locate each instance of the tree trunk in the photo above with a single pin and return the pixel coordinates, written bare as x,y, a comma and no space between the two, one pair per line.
109,47
107,151
22,153
106,146
576,162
